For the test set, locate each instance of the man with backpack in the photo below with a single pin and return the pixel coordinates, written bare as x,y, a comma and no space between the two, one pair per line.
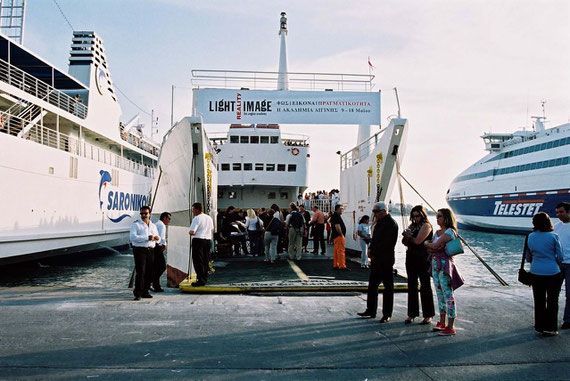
295,224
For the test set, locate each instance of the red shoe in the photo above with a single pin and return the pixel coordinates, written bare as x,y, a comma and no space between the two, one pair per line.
447,332
439,326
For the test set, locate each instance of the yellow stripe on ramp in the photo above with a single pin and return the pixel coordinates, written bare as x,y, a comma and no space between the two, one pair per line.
297,270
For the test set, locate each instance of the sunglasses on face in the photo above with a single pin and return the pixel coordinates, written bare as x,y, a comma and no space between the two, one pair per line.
144,213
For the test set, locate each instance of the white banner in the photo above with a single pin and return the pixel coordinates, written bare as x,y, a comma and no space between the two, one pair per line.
287,107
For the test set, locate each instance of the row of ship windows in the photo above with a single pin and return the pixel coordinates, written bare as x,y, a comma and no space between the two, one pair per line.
516,168
534,148
259,167
242,139
270,195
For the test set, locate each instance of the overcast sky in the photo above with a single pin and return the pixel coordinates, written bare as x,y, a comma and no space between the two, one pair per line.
461,67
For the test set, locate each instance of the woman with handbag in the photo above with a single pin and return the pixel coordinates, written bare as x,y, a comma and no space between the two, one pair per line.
272,236
417,265
446,277
544,253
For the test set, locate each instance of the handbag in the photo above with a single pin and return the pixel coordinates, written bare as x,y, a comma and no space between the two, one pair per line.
454,246
524,276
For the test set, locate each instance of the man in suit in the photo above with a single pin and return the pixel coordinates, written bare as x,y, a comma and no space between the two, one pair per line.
381,254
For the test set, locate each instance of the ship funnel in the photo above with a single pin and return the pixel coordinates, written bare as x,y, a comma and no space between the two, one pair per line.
282,79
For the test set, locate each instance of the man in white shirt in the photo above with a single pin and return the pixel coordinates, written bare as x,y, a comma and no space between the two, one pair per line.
562,228
201,230
144,236
159,263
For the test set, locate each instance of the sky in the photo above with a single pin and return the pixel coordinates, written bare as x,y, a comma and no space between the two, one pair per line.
461,67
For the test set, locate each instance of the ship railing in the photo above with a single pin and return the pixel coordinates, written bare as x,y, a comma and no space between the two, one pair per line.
12,125
269,80
296,140
31,85
360,152
325,205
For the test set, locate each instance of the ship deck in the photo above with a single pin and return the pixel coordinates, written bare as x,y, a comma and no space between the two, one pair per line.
313,274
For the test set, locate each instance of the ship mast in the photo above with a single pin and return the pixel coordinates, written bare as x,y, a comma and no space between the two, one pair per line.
283,79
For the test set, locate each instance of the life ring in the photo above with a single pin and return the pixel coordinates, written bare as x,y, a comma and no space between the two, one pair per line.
295,151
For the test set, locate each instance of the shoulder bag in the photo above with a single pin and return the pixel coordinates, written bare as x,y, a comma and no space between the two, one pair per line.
454,247
524,276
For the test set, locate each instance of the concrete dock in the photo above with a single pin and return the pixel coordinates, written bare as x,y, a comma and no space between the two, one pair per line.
84,333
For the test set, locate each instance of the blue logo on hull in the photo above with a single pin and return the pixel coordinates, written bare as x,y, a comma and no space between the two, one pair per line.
119,201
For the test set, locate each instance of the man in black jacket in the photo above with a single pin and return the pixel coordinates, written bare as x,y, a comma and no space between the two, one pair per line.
381,253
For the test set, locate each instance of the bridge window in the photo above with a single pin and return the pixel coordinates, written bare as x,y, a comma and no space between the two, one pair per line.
225,166
234,139
259,166
281,167
236,166
254,139
244,139
292,168
247,166
274,139
264,140
270,167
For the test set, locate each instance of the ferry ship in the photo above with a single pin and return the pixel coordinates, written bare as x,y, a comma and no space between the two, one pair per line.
525,172
73,176
259,166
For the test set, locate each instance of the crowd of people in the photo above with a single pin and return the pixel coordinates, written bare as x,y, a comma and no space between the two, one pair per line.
273,231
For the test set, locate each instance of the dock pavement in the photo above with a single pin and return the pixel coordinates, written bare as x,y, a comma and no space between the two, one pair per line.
75,333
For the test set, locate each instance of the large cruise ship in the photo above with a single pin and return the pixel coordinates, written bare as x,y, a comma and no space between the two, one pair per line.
524,173
72,175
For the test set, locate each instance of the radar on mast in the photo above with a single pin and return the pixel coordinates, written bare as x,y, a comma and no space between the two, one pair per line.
283,22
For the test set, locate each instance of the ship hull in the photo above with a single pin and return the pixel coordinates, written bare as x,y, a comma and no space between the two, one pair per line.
506,213
188,174
48,210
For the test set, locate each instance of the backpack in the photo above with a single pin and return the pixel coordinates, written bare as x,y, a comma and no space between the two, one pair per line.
296,221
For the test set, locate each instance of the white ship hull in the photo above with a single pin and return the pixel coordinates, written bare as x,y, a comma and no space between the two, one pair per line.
48,214
187,174
369,174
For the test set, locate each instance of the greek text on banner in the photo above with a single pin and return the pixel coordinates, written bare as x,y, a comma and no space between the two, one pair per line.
287,107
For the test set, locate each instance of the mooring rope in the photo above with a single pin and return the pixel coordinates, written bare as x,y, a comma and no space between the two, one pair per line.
497,276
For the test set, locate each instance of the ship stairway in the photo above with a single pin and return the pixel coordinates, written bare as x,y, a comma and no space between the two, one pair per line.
29,117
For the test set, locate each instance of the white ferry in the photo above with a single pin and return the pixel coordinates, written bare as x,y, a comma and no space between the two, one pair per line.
259,166
524,173
72,175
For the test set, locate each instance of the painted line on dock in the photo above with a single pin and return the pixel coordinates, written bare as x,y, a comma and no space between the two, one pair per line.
297,270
